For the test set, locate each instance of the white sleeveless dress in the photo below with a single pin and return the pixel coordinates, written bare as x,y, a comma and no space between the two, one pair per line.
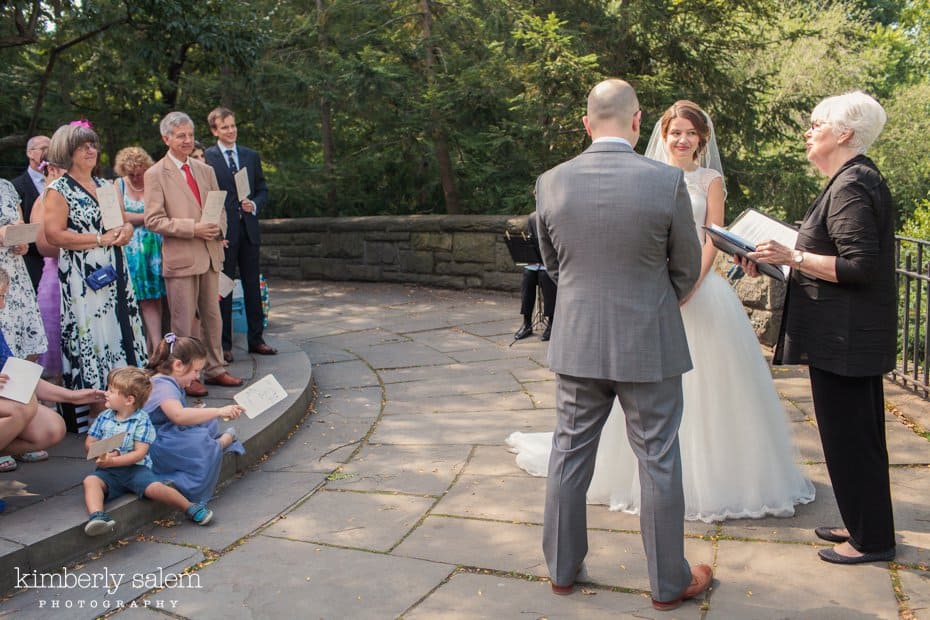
737,457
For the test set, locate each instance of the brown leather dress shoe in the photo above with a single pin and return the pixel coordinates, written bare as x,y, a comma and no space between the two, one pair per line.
701,577
563,590
228,357
263,349
581,575
196,389
225,379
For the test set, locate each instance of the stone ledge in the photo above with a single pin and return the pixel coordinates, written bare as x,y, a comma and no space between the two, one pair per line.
50,534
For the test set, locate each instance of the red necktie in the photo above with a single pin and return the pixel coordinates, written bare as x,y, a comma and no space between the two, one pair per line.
191,183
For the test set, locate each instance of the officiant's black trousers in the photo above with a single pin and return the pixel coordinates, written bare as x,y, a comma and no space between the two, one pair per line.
851,417
528,292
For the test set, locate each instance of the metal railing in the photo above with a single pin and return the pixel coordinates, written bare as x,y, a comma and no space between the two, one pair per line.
912,277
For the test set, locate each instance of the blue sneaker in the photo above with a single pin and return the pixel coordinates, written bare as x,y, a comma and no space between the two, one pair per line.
99,523
199,513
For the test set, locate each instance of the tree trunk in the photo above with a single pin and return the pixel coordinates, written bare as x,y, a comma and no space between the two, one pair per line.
440,142
173,84
50,67
326,119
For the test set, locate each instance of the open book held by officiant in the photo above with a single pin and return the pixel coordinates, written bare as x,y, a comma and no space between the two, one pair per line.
750,228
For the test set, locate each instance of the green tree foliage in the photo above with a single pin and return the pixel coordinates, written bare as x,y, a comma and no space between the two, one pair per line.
422,106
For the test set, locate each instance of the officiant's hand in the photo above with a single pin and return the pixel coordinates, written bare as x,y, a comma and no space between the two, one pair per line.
772,252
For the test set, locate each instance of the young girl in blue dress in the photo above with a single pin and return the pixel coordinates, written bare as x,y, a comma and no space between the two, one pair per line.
189,447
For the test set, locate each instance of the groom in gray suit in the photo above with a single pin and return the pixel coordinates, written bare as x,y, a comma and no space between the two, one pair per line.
617,235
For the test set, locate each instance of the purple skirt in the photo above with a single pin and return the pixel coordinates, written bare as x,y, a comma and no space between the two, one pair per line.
48,296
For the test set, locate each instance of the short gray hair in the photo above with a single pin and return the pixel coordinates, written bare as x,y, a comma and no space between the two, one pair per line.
856,112
66,140
172,120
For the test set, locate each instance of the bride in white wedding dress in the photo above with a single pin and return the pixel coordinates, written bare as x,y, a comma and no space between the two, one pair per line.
737,457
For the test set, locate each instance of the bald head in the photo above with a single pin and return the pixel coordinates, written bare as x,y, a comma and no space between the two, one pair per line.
613,111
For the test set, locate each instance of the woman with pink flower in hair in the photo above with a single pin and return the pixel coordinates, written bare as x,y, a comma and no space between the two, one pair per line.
101,326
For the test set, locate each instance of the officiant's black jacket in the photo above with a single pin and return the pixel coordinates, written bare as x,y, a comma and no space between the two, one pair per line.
848,327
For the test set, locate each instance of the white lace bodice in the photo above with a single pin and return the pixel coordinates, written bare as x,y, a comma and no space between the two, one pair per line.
698,181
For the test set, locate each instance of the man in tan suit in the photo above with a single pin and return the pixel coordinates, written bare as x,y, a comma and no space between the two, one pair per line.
192,251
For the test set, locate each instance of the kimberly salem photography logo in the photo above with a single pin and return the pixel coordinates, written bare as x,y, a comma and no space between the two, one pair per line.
63,589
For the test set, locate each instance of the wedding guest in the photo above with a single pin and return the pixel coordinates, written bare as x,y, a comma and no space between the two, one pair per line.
243,236
129,468
176,189
535,275
48,294
32,427
144,250
100,329
29,185
840,320
197,153
189,447
20,318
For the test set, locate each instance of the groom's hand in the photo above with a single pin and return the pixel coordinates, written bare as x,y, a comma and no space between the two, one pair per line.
748,266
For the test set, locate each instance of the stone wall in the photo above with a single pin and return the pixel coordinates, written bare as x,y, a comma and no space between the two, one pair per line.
763,299
453,251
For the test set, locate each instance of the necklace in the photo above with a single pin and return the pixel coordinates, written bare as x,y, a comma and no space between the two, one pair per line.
138,190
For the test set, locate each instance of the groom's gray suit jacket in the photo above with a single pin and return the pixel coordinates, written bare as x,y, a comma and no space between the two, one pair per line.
617,234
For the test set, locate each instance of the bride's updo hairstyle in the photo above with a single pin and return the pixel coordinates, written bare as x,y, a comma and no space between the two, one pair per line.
689,111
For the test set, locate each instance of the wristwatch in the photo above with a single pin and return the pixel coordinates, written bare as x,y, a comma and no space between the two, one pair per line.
797,259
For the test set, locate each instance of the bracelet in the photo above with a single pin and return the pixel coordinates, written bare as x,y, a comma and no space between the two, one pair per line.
99,241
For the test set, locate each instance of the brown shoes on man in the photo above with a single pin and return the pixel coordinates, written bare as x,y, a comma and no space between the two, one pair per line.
224,379
263,349
701,577
196,389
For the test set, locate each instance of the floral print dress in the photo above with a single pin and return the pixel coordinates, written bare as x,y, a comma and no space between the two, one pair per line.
100,330
20,319
143,253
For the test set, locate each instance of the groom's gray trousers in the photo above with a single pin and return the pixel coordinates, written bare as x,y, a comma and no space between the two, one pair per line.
653,415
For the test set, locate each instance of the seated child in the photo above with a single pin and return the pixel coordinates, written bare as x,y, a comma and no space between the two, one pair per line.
130,467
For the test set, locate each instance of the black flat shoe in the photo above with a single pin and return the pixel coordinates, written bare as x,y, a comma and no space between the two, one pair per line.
829,555
524,332
826,533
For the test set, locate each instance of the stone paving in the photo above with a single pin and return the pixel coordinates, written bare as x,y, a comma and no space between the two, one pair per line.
398,498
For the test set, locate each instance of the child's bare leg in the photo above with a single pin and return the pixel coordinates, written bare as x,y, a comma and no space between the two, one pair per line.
95,490
160,492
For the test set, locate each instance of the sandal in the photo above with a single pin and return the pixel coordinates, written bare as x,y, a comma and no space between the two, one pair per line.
32,457
7,463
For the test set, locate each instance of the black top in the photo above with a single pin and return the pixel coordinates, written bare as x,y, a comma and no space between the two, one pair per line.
848,327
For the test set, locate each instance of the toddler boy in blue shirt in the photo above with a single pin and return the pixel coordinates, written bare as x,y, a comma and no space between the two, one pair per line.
128,469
